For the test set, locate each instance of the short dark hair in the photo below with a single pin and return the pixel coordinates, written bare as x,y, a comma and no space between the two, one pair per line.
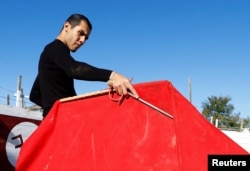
75,20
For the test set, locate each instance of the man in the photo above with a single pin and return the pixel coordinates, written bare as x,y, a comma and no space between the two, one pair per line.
57,69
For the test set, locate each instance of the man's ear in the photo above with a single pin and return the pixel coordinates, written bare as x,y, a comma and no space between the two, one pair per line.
67,26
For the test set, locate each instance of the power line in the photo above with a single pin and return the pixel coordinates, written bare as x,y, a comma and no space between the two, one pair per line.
7,89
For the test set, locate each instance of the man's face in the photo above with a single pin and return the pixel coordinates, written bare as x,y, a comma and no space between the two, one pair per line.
76,37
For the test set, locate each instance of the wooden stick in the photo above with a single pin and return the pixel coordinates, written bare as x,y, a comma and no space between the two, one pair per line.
151,105
85,95
107,91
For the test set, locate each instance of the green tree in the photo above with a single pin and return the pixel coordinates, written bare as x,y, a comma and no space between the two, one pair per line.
246,122
220,108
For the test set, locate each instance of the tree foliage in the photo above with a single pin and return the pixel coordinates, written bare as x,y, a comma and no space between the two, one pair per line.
246,122
220,108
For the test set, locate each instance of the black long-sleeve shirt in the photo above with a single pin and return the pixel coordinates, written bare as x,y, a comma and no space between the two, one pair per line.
56,73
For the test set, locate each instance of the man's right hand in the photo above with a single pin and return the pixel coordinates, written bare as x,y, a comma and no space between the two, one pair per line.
121,84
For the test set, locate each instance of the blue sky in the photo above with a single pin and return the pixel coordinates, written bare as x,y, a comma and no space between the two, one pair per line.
205,40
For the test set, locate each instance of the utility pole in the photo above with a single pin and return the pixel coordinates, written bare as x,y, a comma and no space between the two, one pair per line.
190,89
8,99
19,93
